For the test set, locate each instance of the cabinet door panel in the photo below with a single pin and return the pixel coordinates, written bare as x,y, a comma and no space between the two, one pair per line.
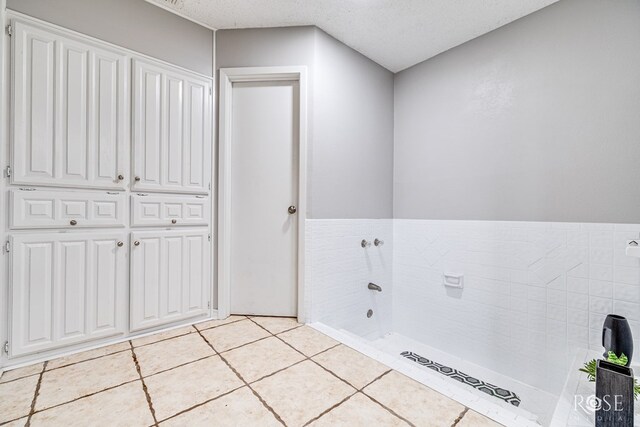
150,210
170,277
70,110
66,289
58,208
172,129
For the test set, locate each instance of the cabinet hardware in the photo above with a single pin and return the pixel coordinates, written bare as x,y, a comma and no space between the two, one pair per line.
73,222
9,30
137,178
142,194
8,171
120,244
6,347
173,221
136,243
7,246
120,177
112,192
199,197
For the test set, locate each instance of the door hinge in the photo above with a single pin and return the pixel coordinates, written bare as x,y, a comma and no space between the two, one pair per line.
7,246
8,171
9,30
6,347
209,186
208,304
209,236
210,91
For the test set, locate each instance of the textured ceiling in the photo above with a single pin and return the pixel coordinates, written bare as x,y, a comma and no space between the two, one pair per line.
395,33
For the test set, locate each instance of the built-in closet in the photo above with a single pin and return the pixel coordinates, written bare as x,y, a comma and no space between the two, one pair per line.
109,193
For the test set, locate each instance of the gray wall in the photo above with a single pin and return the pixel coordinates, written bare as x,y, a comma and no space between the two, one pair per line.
538,120
352,173
350,116
134,24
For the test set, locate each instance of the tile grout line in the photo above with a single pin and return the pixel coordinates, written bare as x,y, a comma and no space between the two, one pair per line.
85,360
390,410
462,414
32,410
264,403
144,386
310,358
331,408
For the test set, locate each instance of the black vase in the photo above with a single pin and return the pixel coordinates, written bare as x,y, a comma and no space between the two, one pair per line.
616,337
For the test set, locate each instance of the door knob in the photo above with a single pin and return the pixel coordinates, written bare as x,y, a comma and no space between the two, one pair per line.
137,178
120,177
73,222
136,243
292,210
173,221
120,244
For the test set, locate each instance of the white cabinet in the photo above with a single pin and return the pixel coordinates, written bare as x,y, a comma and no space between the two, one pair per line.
174,210
70,111
170,277
35,208
66,288
171,129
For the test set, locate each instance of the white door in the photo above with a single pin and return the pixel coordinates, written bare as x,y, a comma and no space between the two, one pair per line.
70,110
172,129
66,289
169,276
264,185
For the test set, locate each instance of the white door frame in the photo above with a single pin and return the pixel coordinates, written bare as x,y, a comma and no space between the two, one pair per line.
228,76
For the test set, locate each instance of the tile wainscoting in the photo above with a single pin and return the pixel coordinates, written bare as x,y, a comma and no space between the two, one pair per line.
533,292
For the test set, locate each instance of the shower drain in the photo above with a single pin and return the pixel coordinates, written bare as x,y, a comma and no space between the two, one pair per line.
369,313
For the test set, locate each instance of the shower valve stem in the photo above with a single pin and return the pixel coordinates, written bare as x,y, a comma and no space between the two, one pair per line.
365,244
378,242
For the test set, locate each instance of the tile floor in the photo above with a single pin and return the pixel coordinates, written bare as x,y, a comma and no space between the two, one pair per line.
258,371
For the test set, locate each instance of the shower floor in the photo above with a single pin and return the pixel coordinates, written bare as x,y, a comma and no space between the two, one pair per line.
537,406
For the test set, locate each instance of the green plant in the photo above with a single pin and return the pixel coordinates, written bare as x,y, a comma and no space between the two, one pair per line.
589,368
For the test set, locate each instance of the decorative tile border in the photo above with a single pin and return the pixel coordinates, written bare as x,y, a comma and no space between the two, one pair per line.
490,389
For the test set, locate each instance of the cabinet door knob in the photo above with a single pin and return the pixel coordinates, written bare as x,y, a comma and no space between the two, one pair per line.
120,177
173,221
137,178
120,244
136,243
73,222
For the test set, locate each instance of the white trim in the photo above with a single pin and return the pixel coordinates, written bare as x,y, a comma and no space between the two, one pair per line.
228,76
5,51
180,14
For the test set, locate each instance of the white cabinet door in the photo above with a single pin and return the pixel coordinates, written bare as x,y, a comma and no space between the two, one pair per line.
37,208
175,210
171,129
170,277
66,288
70,108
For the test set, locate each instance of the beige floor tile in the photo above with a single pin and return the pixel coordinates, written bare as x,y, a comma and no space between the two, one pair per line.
275,325
168,354
254,361
413,401
473,419
122,406
163,336
16,397
302,392
308,340
240,408
22,422
213,323
350,365
359,411
86,355
68,383
183,387
234,335
21,372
